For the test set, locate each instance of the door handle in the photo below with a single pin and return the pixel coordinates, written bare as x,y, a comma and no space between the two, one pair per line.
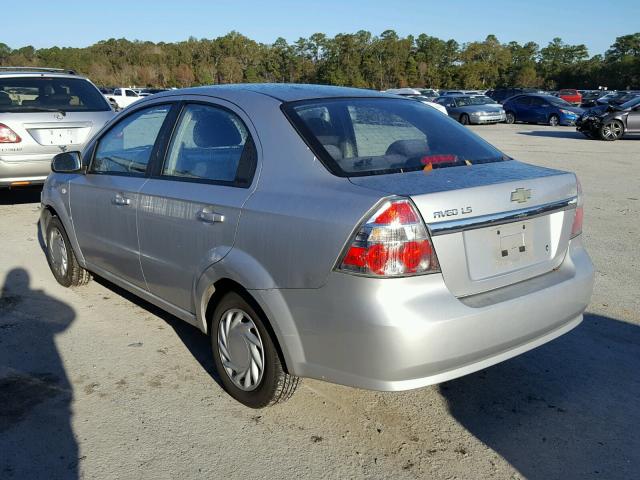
121,200
207,215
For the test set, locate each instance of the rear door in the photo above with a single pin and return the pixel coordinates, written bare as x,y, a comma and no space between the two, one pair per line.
104,202
190,207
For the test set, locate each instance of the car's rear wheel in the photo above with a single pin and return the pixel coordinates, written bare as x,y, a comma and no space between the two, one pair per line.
246,356
464,119
62,261
510,117
554,120
611,130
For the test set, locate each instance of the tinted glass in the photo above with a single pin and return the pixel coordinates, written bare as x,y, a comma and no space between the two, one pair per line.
37,94
130,93
372,136
126,148
208,144
558,102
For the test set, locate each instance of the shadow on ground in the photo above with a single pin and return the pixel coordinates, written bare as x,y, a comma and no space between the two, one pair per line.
570,133
193,338
567,410
36,438
20,196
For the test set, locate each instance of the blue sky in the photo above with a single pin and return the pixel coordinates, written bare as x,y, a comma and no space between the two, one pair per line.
78,24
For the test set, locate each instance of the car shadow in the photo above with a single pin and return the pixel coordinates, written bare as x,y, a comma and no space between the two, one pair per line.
20,196
36,436
196,342
554,134
566,410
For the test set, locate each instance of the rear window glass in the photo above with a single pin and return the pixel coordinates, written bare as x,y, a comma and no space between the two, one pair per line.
50,94
369,136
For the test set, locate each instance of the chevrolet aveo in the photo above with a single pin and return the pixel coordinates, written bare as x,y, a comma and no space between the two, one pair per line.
325,232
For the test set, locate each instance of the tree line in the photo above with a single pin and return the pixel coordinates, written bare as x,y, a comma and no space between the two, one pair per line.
355,59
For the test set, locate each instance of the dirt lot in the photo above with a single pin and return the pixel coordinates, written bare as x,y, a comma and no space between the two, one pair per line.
97,384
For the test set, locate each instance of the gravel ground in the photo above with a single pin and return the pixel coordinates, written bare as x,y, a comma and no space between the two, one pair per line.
97,384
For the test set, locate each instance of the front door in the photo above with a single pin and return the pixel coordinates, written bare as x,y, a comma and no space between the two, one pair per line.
188,212
104,202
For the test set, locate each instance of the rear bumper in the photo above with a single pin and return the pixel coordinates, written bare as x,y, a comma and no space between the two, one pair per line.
400,334
25,168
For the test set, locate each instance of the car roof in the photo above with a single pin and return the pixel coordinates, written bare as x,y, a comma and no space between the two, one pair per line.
41,74
285,92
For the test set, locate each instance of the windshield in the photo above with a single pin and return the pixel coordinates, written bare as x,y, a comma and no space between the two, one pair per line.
558,102
634,102
476,100
50,94
369,136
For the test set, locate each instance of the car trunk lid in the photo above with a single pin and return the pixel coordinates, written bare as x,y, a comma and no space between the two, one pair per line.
492,224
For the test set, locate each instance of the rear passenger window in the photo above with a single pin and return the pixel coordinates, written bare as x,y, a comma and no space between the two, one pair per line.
126,148
210,144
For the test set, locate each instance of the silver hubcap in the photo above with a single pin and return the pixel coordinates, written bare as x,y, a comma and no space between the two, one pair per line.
241,349
58,250
553,121
612,130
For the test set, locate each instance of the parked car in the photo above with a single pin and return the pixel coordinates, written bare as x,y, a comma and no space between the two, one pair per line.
541,109
429,92
152,91
325,232
612,124
123,97
590,97
571,96
502,94
414,94
472,109
44,111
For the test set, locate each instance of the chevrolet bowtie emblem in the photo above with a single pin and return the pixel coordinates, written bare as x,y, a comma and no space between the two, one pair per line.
521,195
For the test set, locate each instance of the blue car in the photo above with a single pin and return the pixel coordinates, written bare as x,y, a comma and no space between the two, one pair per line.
533,108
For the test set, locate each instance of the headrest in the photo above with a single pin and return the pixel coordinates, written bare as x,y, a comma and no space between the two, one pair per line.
215,129
408,148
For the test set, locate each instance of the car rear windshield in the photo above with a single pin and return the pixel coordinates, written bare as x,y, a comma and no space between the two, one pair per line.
370,136
44,94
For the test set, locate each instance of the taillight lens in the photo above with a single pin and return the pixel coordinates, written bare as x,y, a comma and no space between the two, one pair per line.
392,242
576,228
7,135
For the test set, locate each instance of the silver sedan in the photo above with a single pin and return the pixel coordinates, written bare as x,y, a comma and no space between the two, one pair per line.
325,232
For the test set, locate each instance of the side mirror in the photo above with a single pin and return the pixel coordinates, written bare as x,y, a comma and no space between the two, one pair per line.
67,162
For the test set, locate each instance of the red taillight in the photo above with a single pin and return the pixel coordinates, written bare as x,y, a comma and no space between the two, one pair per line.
7,135
576,228
393,242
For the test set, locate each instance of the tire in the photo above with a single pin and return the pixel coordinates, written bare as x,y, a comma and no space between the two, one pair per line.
464,119
240,338
510,118
611,130
61,258
554,120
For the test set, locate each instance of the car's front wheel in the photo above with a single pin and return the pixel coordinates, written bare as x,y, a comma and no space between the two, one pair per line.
245,355
611,130
62,261
464,119
510,117
554,120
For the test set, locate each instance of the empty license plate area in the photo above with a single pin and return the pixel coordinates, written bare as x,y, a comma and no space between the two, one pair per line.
507,248
60,136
